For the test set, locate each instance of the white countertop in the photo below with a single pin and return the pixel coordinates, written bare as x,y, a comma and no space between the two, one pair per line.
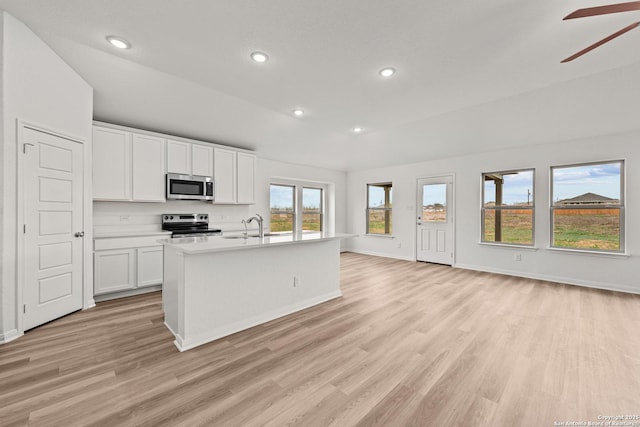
203,244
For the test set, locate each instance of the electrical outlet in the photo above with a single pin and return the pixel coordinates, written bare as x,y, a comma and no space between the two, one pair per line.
518,257
399,245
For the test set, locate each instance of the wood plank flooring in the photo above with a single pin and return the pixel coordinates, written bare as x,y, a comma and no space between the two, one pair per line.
408,344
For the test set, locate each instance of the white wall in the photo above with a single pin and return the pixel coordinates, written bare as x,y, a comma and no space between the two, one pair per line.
107,215
40,89
610,272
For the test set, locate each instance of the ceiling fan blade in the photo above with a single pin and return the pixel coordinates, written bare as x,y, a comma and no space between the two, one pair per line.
601,42
603,10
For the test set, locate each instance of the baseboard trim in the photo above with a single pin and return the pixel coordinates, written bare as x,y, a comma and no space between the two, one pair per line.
129,293
186,344
554,279
383,255
9,336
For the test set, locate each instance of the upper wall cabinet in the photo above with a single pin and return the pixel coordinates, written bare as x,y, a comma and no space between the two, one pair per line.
111,164
130,165
224,178
186,158
246,171
127,166
148,168
234,176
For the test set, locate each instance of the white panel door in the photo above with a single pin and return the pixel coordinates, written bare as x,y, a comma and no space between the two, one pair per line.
201,160
178,157
224,175
111,164
53,227
434,232
246,178
148,168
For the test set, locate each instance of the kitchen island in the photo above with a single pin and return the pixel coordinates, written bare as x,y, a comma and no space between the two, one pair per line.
216,286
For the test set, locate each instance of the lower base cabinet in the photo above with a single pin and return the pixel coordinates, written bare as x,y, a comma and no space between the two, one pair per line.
125,268
114,270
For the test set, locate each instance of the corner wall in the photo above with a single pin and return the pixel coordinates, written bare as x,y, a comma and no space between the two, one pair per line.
40,89
595,270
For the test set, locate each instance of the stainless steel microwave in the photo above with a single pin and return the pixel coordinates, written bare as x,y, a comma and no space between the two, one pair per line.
189,187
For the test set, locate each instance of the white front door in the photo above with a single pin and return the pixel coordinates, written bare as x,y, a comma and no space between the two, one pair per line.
434,236
53,227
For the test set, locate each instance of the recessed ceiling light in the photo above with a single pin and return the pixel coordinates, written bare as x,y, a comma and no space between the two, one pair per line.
259,57
119,42
387,72
357,129
298,112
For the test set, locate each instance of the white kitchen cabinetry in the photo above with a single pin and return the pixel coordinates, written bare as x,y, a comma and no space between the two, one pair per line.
127,263
111,164
178,157
201,160
234,176
149,266
148,168
225,175
246,172
127,166
114,270
186,158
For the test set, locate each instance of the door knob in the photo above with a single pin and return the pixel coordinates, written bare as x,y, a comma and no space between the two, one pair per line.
80,234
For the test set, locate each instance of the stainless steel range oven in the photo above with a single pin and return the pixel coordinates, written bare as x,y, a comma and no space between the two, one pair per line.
188,225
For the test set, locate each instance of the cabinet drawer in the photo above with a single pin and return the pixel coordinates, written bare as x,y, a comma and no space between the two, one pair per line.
127,242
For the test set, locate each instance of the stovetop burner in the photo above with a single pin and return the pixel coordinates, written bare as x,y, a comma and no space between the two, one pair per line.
182,225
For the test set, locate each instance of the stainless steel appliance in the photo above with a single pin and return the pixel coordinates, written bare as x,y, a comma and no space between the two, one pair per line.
188,225
189,187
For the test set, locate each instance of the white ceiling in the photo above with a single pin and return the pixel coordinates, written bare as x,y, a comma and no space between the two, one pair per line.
472,75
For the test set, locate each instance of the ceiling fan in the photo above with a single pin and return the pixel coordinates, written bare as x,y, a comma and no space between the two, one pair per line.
603,10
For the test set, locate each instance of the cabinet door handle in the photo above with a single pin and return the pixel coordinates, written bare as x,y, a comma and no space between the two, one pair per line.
79,234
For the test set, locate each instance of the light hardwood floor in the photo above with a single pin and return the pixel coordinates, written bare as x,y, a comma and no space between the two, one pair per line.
408,344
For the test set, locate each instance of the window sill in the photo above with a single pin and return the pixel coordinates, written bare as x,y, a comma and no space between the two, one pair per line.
384,236
604,254
508,246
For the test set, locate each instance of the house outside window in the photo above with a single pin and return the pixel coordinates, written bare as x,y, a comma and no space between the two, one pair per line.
379,209
508,207
587,208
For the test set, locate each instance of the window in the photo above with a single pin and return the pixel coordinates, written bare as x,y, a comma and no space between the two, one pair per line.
507,207
434,203
282,207
379,204
312,211
298,205
587,209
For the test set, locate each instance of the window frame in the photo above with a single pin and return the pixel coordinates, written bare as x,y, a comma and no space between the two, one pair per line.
620,206
322,204
387,209
327,203
500,208
294,212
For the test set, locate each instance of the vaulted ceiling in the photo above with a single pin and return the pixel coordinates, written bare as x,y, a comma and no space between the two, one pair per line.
471,76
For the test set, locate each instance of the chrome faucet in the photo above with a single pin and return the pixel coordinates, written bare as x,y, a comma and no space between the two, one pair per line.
260,220
246,233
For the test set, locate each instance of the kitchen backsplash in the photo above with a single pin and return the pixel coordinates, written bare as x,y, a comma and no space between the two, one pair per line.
131,216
